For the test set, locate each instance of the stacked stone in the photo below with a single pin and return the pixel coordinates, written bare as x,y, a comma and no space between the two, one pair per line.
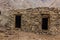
31,19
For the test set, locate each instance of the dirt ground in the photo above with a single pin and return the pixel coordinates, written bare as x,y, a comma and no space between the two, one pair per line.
20,35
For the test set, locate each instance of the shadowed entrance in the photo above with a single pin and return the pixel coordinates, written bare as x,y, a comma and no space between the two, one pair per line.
44,23
18,21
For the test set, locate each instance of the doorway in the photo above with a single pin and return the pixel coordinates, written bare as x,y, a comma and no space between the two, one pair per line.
18,21
44,23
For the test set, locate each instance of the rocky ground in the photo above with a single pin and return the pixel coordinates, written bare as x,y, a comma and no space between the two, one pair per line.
20,35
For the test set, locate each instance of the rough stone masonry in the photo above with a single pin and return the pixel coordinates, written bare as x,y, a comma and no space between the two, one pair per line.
31,19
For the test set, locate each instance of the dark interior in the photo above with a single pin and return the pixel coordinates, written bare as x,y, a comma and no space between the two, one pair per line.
18,21
0,12
45,23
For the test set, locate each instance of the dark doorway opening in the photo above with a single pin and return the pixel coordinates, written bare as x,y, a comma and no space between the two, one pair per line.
18,21
44,23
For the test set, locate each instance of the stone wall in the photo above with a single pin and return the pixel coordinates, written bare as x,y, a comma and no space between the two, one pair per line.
31,20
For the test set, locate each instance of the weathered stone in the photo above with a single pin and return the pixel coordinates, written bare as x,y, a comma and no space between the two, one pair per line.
31,19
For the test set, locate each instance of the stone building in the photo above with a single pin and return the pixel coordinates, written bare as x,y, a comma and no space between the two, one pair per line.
38,20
